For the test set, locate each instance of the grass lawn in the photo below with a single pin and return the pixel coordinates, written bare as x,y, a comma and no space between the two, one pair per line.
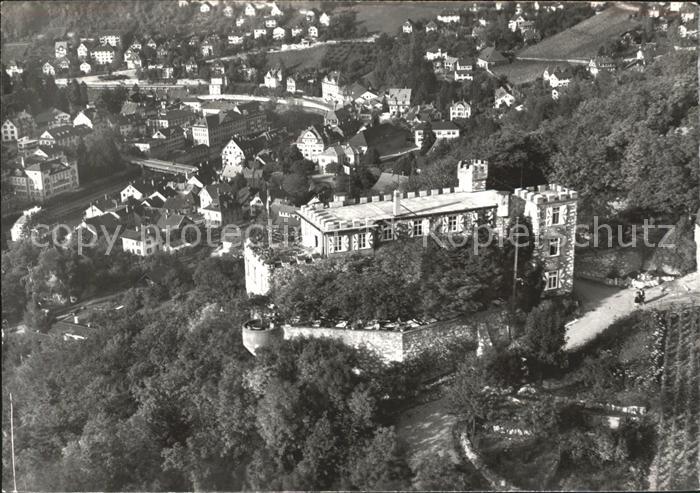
379,17
388,139
582,41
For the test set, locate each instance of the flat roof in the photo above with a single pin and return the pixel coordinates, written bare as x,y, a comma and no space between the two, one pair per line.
361,215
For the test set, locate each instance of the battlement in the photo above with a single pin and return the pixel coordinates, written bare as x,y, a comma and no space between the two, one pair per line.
546,194
472,175
340,200
479,166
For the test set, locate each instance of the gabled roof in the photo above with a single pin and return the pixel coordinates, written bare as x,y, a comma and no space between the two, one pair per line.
48,115
218,189
171,221
447,125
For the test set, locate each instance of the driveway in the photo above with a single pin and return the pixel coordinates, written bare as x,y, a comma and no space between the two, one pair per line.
604,305
427,430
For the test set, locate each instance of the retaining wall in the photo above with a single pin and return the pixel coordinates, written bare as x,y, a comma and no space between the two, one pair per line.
396,345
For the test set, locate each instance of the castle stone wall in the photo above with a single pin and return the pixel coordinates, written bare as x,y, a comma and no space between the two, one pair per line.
395,345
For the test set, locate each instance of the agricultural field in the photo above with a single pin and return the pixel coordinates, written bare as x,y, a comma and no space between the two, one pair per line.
299,60
349,53
379,18
582,41
677,462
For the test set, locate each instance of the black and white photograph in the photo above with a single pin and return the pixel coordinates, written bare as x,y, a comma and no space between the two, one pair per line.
350,245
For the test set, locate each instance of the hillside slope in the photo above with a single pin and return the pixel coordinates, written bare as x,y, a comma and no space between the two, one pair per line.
582,41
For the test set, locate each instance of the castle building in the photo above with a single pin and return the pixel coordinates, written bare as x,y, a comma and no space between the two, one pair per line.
347,227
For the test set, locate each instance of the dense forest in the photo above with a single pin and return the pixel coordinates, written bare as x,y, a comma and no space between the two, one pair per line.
163,396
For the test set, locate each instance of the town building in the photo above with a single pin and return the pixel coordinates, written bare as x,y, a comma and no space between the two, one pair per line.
291,85
398,100
60,49
489,57
52,118
48,69
103,55
345,156
314,140
143,241
503,97
17,127
39,179
600,64
274,77
442,130
407,27
214,130
83,51
111,38
233,158
332,87
460,109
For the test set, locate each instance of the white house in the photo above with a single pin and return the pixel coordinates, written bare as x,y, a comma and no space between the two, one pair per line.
291,85
398,100
271,22
48,69
259,32
60,49
85,68
204,8
82,119
9,131
235,39
313,31
688,12
332,87
460,109
142,242
324,19
503,97
249,10
275,10
407,27
312,142
346,156
232,158
103,55
442,131
273,78
452,18
279,33
434,54
83,51
228,11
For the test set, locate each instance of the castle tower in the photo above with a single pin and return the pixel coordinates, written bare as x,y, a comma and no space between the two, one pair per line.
472,175
552,209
